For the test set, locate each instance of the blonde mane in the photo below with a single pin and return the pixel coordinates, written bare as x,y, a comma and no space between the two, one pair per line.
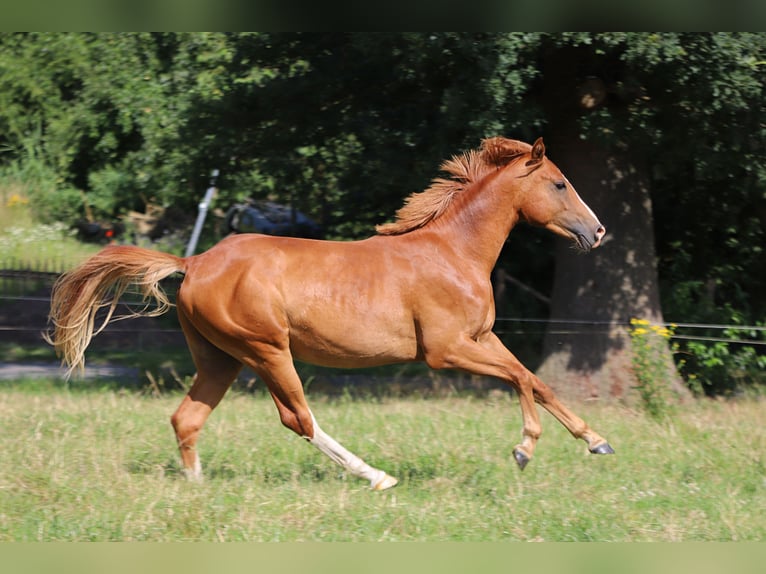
464,170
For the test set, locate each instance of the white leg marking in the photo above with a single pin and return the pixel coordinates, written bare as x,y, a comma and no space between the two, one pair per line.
194,474
379,480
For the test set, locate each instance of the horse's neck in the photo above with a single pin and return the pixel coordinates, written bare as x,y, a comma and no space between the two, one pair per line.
480,221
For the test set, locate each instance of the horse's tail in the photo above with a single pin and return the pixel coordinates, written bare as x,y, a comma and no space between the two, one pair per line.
99,282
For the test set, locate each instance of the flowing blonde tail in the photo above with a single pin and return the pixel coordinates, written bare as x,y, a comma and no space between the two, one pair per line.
99,282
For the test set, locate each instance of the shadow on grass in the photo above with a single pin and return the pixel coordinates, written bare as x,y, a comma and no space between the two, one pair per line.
170,370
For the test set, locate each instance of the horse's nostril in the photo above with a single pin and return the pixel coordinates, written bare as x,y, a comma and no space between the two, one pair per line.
600,231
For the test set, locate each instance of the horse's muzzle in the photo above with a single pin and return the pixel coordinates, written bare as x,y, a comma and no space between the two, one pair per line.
587,242
600,232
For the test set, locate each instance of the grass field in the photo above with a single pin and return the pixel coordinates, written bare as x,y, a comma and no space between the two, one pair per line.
102,465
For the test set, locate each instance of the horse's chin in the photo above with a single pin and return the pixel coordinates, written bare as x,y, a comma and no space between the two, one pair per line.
580,241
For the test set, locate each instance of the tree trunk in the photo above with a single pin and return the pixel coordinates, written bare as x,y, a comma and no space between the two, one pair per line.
587,348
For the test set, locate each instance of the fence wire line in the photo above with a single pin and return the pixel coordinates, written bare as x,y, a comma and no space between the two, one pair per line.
507,319
39,330
671,324
562,322
623,323
720,340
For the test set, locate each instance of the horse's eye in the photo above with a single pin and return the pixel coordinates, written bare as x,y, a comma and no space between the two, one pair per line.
560,185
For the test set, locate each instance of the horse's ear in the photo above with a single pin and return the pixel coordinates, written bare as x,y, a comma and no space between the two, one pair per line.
499,150
538,150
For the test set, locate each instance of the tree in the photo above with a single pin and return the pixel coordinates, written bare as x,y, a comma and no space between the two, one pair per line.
609,101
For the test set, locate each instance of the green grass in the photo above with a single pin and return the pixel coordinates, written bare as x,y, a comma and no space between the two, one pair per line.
84,465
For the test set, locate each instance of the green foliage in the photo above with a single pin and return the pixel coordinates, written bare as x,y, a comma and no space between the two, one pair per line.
710,364
145,117
723,369
720,367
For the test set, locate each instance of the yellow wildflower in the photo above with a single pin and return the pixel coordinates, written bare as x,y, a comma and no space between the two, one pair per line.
16,199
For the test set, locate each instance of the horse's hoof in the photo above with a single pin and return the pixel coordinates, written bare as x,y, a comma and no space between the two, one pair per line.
521,458
603,448
386,482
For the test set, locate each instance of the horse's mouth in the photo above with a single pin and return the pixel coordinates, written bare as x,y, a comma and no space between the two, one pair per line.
582,243
581,239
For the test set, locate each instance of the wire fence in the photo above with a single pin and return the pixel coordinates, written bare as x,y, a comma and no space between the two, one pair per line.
503,326
575,327
25,289
30,283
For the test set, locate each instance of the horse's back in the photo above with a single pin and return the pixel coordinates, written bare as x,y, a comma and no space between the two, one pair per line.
337,303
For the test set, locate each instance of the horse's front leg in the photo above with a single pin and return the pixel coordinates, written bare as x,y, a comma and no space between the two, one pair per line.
488,356
544,395
574,424
485,357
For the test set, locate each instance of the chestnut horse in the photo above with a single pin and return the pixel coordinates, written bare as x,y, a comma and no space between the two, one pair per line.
419,290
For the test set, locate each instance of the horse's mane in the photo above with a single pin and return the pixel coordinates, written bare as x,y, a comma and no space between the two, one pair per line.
466,169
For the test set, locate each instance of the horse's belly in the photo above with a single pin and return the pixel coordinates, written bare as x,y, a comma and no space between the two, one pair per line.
343,344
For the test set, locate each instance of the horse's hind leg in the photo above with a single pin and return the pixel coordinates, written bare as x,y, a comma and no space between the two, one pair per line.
216,371
285,386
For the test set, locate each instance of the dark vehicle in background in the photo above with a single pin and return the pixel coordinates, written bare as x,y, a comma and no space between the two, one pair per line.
98,232
270,218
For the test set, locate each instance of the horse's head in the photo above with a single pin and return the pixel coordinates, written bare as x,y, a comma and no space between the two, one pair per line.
547,199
